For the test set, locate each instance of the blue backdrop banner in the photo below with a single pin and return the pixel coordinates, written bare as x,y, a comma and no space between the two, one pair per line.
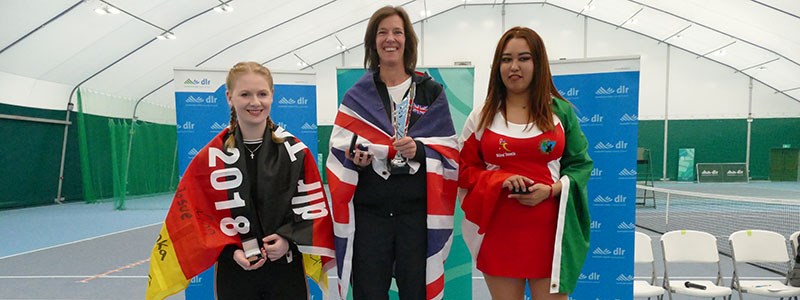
606,95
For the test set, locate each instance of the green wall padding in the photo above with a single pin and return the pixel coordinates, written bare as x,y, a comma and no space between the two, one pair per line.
31,157
718,141
31,153
768,134
651,136
323,142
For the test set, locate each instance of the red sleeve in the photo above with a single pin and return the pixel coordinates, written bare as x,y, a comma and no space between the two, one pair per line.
484,187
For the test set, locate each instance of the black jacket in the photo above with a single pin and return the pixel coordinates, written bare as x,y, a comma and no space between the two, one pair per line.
400,194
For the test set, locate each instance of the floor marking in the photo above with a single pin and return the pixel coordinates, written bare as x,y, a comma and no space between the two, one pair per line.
115,270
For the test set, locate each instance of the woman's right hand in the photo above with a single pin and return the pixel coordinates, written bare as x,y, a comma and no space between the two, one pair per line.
240,259
517,182
361,158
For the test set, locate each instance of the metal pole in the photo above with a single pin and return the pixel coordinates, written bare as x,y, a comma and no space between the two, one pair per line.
130,145
503,18
130,141
666,121
585,37
666,213
174,165
422,40
749,130
31,119
59,199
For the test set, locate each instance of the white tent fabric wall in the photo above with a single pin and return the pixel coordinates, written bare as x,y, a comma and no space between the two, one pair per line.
682,77
103,104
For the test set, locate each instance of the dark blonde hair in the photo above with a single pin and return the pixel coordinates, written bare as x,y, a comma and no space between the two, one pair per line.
542,88
371,58
234,74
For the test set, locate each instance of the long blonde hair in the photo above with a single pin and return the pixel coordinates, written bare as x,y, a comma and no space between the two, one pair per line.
234,74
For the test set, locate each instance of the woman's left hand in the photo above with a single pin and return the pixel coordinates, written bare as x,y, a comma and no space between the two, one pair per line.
406,146
539,192
276,246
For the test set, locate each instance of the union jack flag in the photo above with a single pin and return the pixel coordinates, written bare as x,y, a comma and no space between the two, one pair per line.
358,114
419,109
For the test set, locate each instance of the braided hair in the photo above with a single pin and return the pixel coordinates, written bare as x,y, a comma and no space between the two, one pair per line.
234,74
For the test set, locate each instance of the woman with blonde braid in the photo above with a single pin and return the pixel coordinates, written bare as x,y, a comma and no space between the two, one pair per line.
278,274
262,210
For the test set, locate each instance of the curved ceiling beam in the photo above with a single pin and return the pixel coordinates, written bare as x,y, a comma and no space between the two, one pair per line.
775,8
759,64
136,17
361,44
687,50
317,40
675,34
629,18
519,3
263,31
715,30
282,54
43,25
228,48
130,53
718,49
783,92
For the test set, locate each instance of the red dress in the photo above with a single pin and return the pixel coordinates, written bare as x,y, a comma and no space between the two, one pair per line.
519,240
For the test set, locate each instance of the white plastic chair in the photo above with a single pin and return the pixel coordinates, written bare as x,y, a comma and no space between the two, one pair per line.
643,254
760,246
689,246
795,243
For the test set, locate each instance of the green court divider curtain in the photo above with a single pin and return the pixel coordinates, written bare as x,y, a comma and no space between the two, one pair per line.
94,148
119,170
83,152
109,170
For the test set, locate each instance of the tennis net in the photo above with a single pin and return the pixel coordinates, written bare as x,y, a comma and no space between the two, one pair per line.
719,215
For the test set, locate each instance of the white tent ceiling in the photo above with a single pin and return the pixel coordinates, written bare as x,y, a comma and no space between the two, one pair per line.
65,41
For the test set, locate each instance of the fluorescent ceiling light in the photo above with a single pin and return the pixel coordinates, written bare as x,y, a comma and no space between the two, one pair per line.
339,44
106,10
223,8
166,36
301,62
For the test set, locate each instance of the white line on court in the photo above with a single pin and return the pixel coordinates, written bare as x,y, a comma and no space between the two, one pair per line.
78,241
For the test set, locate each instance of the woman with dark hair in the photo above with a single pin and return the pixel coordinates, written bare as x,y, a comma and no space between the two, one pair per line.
524,170
252,201
392,170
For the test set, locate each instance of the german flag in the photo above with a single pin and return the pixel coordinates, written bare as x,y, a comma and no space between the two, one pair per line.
199,223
